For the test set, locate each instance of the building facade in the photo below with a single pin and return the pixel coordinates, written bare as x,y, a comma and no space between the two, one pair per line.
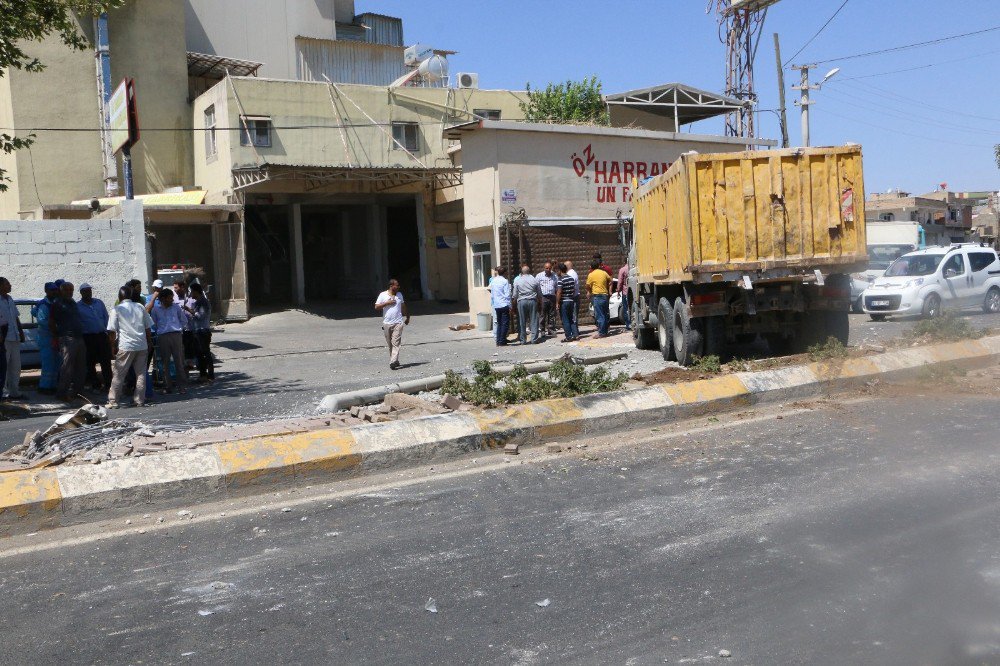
945,217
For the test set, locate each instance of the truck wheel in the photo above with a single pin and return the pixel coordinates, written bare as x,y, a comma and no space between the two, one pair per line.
688,340
992,303
643,336
932,306
715,336
664,329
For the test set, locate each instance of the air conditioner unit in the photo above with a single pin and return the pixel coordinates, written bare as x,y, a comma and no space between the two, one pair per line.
467,80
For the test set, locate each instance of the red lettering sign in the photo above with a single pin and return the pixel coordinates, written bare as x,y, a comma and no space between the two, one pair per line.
609,173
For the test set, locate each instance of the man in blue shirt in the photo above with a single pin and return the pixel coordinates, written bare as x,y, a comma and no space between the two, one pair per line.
500,300
170,321
94,317
47,352
66,327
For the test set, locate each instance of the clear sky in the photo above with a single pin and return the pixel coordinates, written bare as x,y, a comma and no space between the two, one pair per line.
936,123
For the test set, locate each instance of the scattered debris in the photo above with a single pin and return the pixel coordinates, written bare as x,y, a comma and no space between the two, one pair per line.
543,603
462,327
431,605
285,509
206,612
553,447
512,449
452,402
183,513
725,653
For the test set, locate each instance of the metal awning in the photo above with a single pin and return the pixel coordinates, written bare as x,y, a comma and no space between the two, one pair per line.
383,178
215,67
675,100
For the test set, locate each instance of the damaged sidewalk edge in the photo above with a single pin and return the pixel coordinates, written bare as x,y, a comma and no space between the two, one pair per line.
54,496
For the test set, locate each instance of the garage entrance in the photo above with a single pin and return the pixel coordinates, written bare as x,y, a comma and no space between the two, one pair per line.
403,251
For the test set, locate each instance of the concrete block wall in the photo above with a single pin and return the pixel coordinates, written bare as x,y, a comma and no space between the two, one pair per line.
106,252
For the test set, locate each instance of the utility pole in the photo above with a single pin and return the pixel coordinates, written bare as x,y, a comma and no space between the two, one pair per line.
781,93
804,101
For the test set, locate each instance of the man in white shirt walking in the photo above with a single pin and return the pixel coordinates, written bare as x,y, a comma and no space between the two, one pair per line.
130,338
11,345
395,316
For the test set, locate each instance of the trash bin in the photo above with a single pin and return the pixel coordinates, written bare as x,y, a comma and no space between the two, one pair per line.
485,321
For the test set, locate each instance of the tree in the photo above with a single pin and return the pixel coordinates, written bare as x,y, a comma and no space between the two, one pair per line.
996,153
570,102
23,21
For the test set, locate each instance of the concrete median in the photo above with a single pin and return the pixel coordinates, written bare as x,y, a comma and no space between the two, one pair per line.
33,499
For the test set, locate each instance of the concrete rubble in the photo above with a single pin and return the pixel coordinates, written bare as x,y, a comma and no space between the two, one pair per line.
86,435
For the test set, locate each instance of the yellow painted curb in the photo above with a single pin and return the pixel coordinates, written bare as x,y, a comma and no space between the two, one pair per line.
705,390
253,460
851,368
22,491
548,418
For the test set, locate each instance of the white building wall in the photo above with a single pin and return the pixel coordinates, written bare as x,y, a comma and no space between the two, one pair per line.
106,252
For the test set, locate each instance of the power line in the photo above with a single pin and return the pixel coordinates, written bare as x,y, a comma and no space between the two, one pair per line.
882,92
828,21
908,115
910,134
910,46
839,80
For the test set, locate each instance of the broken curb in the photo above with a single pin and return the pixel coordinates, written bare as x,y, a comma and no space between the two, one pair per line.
69,494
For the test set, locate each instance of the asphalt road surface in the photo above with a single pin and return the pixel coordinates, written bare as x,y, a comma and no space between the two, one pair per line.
855,529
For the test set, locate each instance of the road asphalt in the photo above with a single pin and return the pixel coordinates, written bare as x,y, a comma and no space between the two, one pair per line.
854,529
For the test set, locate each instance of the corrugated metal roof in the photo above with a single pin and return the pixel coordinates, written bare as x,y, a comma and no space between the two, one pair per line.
348,61
382,29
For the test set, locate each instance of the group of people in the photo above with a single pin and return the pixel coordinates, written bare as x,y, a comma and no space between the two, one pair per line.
76,337
537,298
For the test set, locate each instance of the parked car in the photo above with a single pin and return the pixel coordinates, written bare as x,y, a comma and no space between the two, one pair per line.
880,256
30,357
926,282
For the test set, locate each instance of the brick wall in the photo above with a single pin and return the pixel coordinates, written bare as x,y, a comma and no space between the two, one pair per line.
557,244
106,252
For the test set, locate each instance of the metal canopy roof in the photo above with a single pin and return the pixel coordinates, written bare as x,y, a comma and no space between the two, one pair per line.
675,100
317,177
215,67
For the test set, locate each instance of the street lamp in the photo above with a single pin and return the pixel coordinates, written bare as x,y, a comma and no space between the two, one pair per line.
804,89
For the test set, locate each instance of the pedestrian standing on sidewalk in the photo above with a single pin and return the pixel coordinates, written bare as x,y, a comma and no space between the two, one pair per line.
625,309
500,301
395,315
47,353
599,288
182,296
170,319
201,324
566,296
528,296
547,284
94,318
131,340
10,378
576,279
67,329
603,266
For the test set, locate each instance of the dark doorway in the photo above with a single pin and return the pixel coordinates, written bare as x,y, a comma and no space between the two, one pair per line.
269,268
403,251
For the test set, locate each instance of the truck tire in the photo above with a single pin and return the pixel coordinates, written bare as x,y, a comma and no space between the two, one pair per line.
688,341
664,329
643,336
715,336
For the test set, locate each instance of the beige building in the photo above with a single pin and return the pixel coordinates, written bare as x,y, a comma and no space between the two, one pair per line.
945,217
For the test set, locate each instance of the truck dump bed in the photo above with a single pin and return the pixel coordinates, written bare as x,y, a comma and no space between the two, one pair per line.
770,214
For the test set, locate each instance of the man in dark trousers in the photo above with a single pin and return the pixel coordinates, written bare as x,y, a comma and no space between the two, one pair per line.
64,322
94,319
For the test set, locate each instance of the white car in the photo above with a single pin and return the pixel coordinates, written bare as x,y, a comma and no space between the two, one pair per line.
928,281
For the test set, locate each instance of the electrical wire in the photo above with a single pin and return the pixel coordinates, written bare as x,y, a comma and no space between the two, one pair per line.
818,32
869,89
839,80
894,49
908,116
893,130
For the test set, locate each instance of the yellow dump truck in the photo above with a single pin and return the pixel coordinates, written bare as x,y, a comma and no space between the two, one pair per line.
725,247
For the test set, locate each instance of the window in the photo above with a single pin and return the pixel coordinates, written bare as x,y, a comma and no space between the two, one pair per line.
407,135
488,114
954,266
482,262
887,217
211,147
981,260
255,131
